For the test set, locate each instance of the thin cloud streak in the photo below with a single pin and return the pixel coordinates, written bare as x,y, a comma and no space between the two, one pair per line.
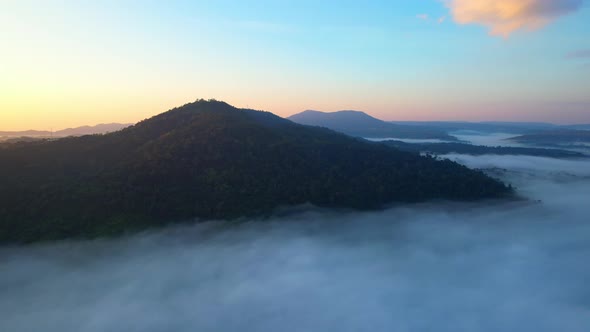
579,54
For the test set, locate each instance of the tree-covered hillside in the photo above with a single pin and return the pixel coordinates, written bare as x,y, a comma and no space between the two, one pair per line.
209,160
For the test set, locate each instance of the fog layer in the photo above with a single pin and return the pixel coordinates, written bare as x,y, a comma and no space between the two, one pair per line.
486,139
409,140
491,266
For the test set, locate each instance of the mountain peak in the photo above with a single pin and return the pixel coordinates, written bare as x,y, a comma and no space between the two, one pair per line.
357,123
352,112
210,160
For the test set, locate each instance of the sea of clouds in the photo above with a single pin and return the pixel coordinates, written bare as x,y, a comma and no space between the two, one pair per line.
489,266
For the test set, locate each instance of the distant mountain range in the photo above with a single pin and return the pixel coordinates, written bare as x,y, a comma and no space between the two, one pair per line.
478,150
553,137
360,124
577,127
209,160
492,126
78,131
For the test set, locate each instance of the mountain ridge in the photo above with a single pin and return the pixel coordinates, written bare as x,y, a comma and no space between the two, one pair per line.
361,124
210,160
101,128
554,137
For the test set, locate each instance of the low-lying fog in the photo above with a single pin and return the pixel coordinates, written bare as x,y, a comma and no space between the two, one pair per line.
487,139
491,266
408,140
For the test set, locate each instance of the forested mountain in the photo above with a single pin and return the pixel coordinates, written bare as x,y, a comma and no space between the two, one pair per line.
476,150
12,140
360,124
209,160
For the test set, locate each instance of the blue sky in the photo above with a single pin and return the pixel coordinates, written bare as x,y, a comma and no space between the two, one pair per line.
82,62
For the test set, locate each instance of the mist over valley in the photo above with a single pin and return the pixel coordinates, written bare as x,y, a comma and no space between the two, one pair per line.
485,266
295,166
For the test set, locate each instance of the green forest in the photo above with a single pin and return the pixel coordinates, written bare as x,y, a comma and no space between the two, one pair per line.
209,160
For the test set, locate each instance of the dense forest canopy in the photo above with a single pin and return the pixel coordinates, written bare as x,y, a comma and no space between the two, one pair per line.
209,160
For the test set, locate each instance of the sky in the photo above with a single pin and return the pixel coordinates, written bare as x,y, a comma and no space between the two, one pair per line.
72,63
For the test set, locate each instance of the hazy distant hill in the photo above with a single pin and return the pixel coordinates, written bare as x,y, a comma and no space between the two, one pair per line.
360,124
555,137
25,133
578,127
484,127
477,150
209,160
493,126
91,130
79,131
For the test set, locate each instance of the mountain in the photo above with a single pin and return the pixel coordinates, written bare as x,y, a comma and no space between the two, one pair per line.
78,131
484,127
578,127
478,150
21,139
360,124
493,126
555,137
26,133
92,130
209,160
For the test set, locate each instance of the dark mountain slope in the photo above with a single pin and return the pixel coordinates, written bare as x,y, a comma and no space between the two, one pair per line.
209,160
360,124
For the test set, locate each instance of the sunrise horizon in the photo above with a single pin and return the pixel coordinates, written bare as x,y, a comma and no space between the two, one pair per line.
73,121
295,165
514,61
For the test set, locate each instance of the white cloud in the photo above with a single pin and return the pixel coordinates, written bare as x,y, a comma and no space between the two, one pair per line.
504,17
